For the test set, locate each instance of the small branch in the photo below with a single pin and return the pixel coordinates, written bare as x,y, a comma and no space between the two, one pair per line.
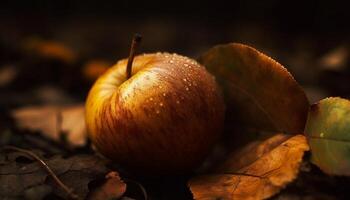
134,44
69,191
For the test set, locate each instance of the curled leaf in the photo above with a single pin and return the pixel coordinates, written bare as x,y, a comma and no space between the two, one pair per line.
258,90
112,188
258,171
328,132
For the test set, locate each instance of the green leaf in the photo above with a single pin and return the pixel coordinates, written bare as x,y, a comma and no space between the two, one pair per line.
328,132
259,92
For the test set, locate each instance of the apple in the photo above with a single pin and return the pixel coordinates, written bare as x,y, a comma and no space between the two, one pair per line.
164,119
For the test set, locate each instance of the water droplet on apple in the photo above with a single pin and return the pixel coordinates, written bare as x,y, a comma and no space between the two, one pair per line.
164,94
151,99
171,61
157,111
161,104
187,88
178,102
184,79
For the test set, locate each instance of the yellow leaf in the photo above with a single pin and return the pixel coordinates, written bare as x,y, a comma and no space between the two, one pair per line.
258,171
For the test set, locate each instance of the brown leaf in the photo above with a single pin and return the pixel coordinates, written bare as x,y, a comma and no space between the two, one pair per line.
20,178
53,121
259,91
335,60
113,188
95,68
49,50
7,74
258,171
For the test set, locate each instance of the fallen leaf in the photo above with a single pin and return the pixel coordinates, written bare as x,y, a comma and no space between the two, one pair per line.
19,179
50,49
54,122
7,74
259,91
258,171
113,188
335,60
328,132
95,68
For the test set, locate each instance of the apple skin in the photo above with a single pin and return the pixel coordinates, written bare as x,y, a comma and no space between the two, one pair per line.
163,120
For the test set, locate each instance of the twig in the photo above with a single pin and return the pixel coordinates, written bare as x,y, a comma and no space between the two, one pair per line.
69,191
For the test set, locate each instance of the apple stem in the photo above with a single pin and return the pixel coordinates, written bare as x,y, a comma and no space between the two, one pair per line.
136,40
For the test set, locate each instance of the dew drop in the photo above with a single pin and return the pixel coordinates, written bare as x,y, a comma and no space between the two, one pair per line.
161,104
184,79
187,88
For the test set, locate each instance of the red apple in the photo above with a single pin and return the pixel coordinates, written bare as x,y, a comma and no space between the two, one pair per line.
164,119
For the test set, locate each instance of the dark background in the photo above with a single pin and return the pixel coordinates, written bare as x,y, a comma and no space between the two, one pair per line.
186,27
302,35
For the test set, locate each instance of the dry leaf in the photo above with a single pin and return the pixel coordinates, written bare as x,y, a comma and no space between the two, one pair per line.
259,91
113,188
22,180
258,171
328,132
95,68
335,59
7,74
53,121
50,49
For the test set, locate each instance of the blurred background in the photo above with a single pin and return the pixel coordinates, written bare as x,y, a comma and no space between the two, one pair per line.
52,51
